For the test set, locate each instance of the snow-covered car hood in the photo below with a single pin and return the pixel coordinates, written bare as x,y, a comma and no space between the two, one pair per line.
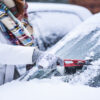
47,90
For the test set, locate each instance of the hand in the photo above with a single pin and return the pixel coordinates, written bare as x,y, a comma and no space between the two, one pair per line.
46,60
20,17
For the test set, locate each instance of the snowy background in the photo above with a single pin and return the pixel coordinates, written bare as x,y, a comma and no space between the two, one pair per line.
84,41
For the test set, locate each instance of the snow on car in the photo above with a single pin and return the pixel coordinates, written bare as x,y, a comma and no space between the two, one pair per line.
78,43
83,43
52,21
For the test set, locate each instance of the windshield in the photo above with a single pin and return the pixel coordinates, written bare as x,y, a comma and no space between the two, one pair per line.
80,42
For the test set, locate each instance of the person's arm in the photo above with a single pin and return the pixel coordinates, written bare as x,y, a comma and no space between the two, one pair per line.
15,55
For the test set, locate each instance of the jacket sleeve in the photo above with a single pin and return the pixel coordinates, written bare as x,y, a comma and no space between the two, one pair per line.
15,55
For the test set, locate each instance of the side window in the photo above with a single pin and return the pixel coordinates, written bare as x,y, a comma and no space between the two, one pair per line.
55,22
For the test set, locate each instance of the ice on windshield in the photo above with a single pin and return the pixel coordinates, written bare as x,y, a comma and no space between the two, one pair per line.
81,41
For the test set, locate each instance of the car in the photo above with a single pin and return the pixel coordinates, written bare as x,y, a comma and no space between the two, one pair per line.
81,44
75,48
52,21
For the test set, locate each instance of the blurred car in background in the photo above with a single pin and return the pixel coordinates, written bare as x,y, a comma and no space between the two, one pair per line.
52,21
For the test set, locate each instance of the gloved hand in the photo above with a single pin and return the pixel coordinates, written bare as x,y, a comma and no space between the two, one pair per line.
46,60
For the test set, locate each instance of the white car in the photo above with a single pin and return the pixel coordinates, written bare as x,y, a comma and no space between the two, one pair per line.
81,42
52,21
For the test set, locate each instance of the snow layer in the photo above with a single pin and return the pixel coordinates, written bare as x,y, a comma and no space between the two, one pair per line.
82,43
52,21
47,90
84,13
78,43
